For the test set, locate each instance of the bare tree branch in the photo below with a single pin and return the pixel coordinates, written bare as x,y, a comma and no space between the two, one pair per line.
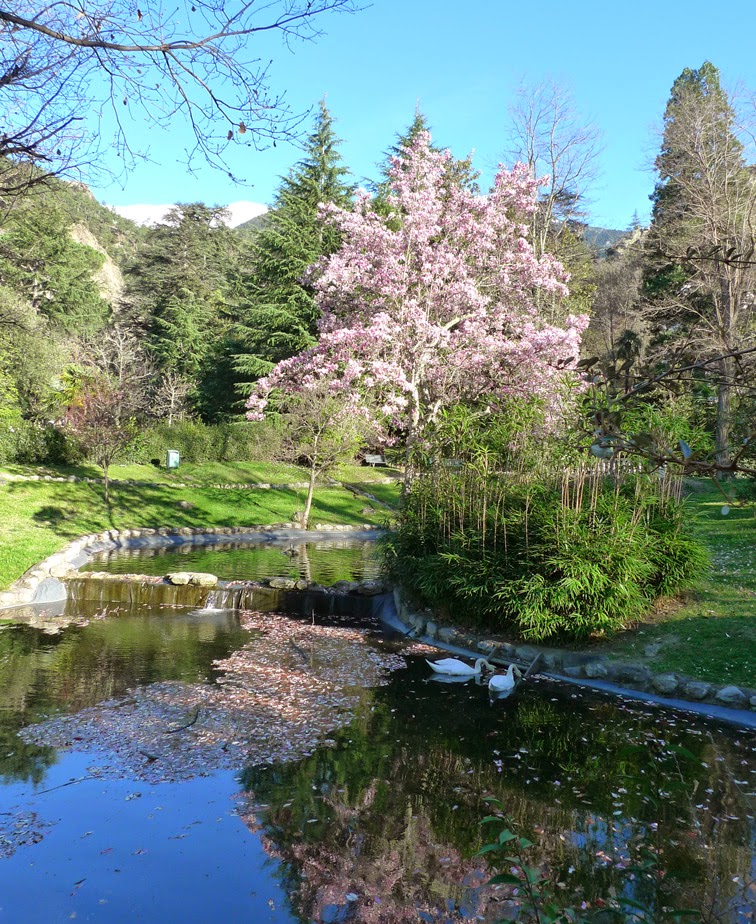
549,135
194,60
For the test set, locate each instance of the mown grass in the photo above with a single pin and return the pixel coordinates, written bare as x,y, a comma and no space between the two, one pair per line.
39,517
206,473
711,632
187,473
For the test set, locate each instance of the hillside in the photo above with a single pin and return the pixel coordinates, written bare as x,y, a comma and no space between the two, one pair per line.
601,239
255,225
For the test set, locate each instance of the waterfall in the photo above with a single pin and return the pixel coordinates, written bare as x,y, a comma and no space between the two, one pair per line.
217,600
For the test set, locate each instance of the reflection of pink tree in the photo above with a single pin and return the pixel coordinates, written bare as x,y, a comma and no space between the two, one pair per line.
433,303
392,881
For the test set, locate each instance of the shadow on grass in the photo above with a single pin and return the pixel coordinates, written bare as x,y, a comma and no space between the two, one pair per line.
51,517
695,641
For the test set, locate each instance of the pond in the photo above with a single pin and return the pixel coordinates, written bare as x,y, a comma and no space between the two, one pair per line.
189,765
323,562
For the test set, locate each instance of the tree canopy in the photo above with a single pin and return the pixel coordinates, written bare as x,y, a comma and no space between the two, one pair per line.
434,303
277,315
702,241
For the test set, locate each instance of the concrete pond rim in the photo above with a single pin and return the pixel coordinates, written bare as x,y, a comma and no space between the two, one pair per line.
44,585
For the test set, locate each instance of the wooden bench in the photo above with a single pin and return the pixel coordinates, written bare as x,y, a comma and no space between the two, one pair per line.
373,459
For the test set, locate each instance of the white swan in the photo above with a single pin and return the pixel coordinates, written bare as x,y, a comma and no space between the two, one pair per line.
458,668
504,683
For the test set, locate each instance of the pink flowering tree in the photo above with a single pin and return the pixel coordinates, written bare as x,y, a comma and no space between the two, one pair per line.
433,303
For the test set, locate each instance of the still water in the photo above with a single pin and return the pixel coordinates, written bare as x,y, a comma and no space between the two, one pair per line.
378,823
321,562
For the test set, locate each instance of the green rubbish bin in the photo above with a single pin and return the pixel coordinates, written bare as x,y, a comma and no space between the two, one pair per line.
172,458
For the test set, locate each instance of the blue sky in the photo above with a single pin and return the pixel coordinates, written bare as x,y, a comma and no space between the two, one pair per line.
462,63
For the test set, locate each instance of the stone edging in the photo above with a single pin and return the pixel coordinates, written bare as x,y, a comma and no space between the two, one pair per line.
41,583
247,486
585,666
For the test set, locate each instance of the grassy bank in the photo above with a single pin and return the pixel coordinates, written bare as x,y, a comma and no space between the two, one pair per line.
711,632
39,517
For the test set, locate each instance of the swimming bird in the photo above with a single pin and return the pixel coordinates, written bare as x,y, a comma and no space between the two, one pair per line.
459,668
504,684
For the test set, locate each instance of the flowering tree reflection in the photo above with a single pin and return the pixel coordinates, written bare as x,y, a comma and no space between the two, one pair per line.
382,824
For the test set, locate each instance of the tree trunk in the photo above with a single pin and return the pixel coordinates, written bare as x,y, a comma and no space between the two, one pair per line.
107,484
722,426
308,502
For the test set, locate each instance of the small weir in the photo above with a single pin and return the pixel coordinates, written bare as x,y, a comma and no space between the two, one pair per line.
105,592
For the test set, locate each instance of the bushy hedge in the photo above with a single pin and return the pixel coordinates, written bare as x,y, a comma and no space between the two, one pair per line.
544,565
199,442
28,443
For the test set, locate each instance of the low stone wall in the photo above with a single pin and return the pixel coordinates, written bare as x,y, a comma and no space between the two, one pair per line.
43,583
584,666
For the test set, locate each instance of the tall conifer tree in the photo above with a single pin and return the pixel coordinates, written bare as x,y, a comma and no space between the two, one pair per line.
702,238
277,316
461,172
181,294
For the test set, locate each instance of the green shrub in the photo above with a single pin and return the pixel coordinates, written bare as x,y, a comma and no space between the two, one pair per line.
591,574
563,561
28,443
678,558
199,442
259,440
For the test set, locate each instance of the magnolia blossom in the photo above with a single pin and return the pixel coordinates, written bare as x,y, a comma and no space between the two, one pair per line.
433,304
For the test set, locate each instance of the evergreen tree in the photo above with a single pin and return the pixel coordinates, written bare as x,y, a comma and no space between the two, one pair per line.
277,316
47,268
461,172
700,276
698,132
181,288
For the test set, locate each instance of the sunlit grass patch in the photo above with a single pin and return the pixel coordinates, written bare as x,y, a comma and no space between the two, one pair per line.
711,633
38,517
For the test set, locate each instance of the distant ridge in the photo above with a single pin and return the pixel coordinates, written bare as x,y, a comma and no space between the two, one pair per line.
256,224
240,212
602,239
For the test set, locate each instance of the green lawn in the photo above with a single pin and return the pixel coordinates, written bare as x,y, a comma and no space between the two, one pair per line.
38,517
206,473
186,473
711,633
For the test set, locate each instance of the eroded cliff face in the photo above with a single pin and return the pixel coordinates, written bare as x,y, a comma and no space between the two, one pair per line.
109,277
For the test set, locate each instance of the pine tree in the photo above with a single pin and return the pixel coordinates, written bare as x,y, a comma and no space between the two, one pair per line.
277,316
180,282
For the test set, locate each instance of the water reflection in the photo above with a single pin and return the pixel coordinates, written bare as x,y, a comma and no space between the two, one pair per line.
391,813
322,562
381,823
43,674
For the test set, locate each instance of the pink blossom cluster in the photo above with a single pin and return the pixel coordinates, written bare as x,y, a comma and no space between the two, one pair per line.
434,303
